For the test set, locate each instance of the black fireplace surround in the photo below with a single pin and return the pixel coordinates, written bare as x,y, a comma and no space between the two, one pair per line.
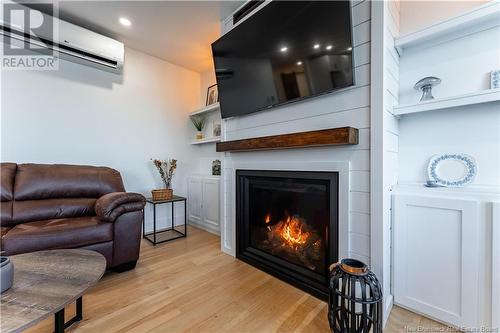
287,225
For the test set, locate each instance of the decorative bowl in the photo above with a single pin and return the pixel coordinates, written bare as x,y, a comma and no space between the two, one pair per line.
7,273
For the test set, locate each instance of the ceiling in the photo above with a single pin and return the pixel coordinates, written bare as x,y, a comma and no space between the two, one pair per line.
179,32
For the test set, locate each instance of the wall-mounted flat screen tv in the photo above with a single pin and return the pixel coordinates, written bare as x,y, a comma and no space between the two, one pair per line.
285,52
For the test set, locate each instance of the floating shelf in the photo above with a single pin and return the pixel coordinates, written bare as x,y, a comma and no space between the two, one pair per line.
207,140
485,96
475,20
206,109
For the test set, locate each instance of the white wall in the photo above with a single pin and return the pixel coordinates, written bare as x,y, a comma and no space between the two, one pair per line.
350,107
80,115
207,79
471,130
416,15
463,64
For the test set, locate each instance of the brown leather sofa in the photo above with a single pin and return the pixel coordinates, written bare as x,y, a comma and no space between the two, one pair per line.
70,206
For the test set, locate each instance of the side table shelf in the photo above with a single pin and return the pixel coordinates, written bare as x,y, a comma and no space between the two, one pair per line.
158,236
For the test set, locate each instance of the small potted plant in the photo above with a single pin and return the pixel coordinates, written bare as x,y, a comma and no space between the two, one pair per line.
166,169
199,123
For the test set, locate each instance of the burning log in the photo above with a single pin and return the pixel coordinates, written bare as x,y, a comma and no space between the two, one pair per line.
295,239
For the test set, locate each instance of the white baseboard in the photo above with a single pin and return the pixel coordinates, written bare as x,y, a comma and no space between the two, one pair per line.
389,303
428,316
204,227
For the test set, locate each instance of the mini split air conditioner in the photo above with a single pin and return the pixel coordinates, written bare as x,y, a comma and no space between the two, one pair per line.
247,9
71,42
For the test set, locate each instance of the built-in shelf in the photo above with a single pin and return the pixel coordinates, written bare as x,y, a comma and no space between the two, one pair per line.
485,96
475,20
206,109
207,140
419,188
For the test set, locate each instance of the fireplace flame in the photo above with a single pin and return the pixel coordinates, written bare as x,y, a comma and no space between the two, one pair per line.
290,231
294,238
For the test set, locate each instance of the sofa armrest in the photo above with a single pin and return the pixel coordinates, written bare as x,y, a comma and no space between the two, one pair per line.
110,206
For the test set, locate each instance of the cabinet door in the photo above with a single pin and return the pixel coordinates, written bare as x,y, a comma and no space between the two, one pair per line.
435,257
195,199
211,190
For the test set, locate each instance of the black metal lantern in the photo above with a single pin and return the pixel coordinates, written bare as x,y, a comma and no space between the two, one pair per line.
355,303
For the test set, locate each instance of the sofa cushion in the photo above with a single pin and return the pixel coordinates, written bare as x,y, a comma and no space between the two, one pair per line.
56,234
7,174
45,181
37,210
6,213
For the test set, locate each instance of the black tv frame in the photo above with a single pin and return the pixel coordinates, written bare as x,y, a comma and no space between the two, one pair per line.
299,99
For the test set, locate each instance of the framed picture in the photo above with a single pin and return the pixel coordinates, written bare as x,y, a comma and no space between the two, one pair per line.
212,95
495,79
216,129
216,166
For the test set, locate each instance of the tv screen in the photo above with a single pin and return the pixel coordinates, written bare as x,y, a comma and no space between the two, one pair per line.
285,52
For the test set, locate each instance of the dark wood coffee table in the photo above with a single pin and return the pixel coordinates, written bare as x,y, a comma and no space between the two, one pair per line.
45,283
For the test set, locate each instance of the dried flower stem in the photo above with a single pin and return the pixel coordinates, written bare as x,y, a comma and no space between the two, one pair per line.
166,169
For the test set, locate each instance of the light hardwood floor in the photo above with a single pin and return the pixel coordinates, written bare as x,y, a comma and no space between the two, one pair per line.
189,285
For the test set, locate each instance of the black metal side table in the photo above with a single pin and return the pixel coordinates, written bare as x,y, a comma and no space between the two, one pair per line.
166,234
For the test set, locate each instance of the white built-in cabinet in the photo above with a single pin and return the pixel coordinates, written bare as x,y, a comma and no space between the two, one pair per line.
445,241
204,202
442,255
495,265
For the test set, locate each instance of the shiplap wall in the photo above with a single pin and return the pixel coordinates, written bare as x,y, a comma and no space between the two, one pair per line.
350,107
391,134
384,140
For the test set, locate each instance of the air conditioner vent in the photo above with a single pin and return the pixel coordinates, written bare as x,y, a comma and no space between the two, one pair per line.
245,10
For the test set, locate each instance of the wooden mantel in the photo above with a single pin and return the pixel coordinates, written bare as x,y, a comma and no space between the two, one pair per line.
327,137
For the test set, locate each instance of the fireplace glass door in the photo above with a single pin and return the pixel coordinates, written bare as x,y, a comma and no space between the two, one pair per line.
287,221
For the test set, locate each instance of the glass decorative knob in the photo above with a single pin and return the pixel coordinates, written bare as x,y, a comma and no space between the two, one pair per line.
425,85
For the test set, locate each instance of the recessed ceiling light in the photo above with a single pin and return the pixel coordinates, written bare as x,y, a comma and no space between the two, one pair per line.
125,21
316,46
349,48
329,47
284,49
299,63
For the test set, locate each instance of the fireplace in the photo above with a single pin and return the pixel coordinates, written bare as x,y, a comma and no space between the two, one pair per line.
287,225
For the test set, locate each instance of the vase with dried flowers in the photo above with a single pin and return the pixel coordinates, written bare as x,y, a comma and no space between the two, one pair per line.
166,169
199,123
